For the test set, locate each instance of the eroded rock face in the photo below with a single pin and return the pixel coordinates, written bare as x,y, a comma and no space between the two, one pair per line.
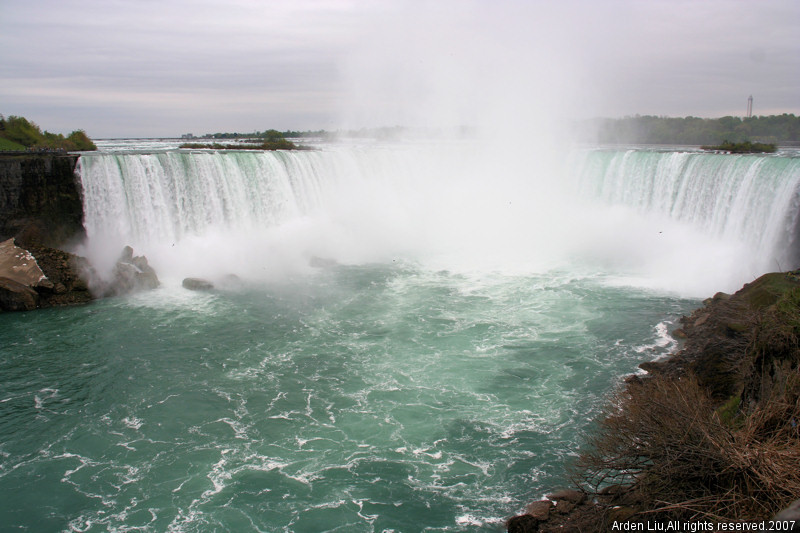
539,510
14,296
68,274
55,277
20,265
41,202
131,274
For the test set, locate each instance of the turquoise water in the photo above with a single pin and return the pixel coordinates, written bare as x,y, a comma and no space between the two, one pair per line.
442,374
379,397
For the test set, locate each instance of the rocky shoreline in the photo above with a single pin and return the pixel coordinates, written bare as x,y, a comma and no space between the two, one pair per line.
38,277
732,394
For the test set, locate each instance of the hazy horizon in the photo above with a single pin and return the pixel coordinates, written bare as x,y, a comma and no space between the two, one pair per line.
146,69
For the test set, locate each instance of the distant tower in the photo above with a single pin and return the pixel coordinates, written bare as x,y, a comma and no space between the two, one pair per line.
750,106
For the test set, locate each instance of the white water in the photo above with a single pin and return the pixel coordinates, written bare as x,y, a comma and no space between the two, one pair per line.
373,397
683,222
707,221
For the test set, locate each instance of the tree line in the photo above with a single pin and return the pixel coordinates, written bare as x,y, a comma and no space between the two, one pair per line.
18,133
648,129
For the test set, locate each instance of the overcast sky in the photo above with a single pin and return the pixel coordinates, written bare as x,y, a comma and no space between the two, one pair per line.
119,68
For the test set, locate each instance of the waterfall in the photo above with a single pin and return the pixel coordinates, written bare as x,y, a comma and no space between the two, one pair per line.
167,196
752,198
649,213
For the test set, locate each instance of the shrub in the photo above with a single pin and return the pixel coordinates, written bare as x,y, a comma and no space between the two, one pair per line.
25,134
21,131
685,451
665,439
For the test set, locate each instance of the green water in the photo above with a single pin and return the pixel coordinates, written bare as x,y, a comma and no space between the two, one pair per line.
358,398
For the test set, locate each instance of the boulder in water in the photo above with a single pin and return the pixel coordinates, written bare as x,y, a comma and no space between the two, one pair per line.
197,284
539,510
131,274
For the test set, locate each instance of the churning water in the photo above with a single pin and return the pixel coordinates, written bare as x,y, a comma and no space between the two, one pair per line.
417,337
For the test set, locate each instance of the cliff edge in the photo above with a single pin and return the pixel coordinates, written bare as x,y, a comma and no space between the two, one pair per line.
40,199
710,434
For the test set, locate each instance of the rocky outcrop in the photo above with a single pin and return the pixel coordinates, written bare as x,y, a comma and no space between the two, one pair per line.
69,275
19,265
130,274
40,199
41,277
41,211
16,296
563,510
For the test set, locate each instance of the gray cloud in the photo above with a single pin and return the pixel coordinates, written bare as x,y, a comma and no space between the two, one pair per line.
120,68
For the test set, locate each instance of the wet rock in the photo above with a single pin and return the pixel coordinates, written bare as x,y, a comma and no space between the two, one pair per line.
131,274
197,284
564,507
539,510
653,367
15,296
126,256
40,200
57,276
522,524
701,319
721,296
570,495
45,286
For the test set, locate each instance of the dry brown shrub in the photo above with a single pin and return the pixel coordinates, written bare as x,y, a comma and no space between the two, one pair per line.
665,438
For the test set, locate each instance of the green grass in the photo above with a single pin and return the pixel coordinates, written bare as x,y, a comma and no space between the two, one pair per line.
6,145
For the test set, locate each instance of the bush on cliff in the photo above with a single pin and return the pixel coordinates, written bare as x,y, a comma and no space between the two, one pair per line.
683,453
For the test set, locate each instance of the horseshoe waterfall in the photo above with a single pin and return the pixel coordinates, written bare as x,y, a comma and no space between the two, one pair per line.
401,337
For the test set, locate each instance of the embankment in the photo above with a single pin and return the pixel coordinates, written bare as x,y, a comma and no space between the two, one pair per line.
40,199
41,210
